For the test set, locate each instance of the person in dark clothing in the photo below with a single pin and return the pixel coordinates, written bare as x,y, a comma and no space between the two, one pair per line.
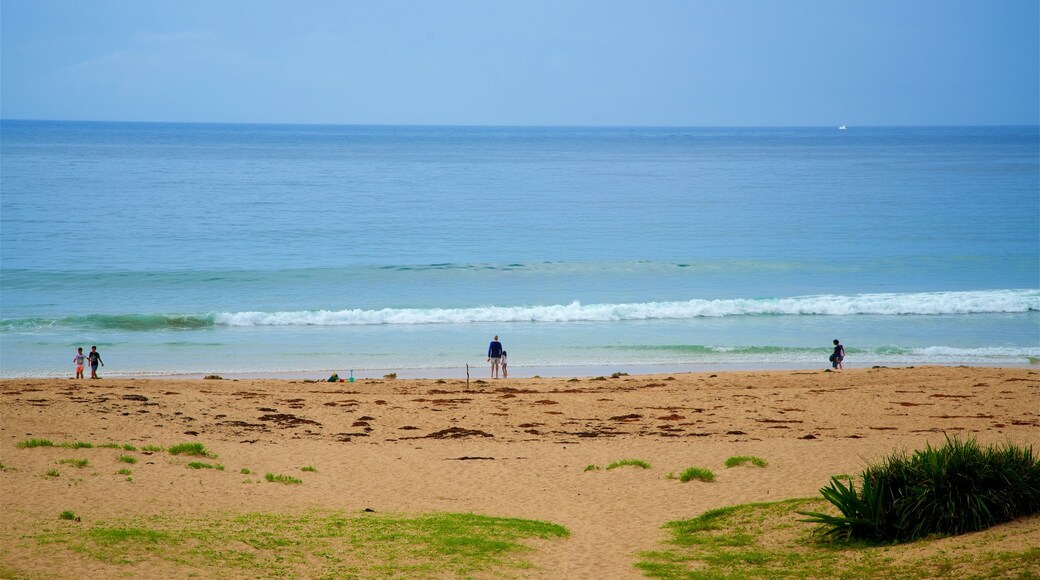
95,358
838,355
495,356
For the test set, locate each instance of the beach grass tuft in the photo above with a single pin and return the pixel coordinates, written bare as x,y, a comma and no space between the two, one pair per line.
53,473
286,479
764,541
629,462
124,471
245,471
698,473
30,443
309,468
78,463
737,460
592,467
127,459
67,515
195,449
77,445
152,448
109,445
956,488
200,465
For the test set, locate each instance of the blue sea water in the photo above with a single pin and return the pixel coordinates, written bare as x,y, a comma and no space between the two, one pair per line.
183,248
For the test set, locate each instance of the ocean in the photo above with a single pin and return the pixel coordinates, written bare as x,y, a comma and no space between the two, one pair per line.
298,251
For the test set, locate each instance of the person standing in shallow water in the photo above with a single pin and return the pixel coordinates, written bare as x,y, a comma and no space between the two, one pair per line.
838,355
495,356
95,359
81,361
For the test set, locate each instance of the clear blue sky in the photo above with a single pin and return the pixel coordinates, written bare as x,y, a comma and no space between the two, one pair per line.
524,62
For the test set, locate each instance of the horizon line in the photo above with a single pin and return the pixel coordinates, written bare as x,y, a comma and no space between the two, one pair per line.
517,126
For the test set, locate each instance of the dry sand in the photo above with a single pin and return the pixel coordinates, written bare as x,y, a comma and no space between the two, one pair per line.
511,447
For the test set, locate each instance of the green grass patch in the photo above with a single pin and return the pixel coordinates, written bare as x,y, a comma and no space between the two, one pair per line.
152,448
129,447
245,471
200,465
30,443
53,473
109,445
67,515
591,467
287,479
127,459
629,462
767,541
79,463
314,545
4,467
698,473
77,445
194,449
738,460
124,471
308,468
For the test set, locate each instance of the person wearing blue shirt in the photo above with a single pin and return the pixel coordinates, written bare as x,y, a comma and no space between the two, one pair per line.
495,356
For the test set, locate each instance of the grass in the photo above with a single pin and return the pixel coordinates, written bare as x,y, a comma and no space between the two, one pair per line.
195,449
124,471
53,473
308,468
245,471
314,545
30,443
200,465
286,479
127,459
629,462
698,473
766,541
152,448
79,463
77,445
4,467
67,515
592,467
738,460
957,488
109,446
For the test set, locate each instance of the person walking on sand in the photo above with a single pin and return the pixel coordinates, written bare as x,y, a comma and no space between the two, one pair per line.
95,360
838,355
505,371
495,356
81,361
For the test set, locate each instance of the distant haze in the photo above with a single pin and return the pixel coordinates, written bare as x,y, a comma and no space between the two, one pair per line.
527,62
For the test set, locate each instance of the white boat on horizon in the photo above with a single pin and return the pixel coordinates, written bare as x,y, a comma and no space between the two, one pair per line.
841,128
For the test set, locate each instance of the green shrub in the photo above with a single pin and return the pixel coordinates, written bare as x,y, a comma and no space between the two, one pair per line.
67,515
698,473
957,488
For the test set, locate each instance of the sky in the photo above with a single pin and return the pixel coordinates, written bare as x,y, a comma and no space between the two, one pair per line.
524,62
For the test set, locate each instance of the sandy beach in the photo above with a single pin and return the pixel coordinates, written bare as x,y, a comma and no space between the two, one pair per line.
510,447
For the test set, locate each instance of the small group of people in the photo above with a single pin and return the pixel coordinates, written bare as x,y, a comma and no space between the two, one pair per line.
497,358
81,359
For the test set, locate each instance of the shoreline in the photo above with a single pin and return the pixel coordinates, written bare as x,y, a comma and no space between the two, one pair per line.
528,372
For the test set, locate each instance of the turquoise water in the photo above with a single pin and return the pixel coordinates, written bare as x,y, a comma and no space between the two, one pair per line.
181,248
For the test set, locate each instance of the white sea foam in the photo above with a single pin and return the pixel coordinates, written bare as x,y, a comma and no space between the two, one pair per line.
926,303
